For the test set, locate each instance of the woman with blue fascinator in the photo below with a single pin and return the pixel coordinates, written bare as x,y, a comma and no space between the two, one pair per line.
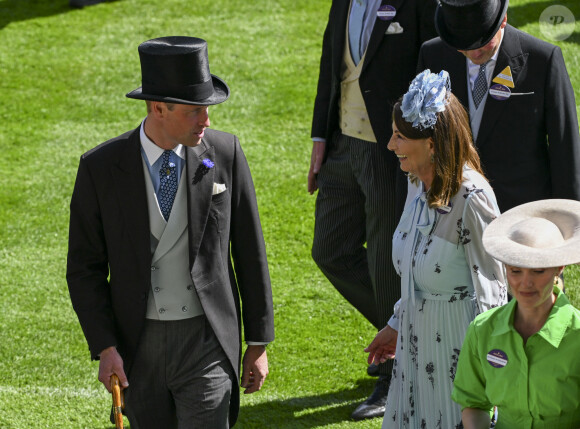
446,276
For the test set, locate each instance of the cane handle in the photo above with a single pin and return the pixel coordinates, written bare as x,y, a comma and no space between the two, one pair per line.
118,401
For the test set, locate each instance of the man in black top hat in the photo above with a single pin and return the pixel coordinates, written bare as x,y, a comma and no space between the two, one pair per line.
164,238
519,97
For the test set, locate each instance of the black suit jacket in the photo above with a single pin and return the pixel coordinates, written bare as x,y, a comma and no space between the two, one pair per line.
109,259
529,144
388,68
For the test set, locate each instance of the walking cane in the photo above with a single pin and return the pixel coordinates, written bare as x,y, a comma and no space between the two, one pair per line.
118,401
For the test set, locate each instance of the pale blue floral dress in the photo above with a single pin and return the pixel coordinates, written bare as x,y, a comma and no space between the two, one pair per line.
446,280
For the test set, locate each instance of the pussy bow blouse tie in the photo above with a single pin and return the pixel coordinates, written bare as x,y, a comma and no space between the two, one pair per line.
422,216
417,213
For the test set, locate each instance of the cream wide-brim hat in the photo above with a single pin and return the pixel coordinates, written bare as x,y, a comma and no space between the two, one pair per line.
540,234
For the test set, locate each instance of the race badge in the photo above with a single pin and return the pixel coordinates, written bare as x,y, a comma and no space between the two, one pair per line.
497,358
386,12
505,78
444,209
500,92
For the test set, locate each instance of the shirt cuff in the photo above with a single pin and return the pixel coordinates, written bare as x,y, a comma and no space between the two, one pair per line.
394,323
256,343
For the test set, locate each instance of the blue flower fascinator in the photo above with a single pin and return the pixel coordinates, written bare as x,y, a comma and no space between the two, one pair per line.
428,94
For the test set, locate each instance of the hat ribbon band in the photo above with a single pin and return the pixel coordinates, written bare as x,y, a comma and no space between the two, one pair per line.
193,92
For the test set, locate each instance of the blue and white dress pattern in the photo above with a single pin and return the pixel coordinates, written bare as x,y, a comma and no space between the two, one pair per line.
447,278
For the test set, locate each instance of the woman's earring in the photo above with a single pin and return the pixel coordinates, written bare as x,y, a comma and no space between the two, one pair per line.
432,159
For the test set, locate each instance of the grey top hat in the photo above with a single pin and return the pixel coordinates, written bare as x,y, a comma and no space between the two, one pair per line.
175,69
469,24
540,234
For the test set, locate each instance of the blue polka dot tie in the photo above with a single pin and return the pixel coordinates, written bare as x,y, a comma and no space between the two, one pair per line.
480,86
167,184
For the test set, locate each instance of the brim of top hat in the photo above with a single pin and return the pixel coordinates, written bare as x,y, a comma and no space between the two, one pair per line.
477,40
221,93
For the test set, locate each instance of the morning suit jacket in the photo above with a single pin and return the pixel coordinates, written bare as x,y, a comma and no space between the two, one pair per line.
109,259
388,69
528,144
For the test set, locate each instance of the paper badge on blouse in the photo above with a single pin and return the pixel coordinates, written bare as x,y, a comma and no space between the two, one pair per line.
497,358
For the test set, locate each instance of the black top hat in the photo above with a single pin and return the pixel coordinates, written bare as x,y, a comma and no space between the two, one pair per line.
176,70
469,24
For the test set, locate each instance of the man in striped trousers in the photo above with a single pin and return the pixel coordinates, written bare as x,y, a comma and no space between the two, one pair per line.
369,56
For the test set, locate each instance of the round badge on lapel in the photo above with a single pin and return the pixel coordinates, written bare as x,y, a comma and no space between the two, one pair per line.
500,92
386,12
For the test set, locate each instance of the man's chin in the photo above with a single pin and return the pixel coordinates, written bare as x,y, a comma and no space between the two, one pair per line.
195,139
192,143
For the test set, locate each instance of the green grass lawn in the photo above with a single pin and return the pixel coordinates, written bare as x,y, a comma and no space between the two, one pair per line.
63,78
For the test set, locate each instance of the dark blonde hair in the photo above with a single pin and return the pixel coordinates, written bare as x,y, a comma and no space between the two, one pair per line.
453,148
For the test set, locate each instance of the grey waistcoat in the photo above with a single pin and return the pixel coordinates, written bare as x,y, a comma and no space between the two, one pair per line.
475,115
173,296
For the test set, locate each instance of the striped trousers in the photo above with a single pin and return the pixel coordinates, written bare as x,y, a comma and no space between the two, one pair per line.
356,204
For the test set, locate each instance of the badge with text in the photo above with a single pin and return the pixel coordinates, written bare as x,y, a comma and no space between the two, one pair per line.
500,92
386,12
444,209
497,358
505,78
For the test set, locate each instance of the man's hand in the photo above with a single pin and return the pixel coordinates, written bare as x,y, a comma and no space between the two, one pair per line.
254,368
111,363
383,346
316,158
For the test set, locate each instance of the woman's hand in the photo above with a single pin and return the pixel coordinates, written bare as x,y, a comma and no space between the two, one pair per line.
474,418
383,346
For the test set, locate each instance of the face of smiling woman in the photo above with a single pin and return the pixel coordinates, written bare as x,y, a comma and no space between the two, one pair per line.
414,155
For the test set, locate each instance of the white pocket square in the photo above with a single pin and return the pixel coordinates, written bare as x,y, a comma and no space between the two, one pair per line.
394,28
218,188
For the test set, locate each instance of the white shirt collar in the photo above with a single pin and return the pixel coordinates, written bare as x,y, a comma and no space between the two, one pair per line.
152,151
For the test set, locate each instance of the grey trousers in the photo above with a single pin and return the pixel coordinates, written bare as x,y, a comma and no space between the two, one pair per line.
180,379
356,204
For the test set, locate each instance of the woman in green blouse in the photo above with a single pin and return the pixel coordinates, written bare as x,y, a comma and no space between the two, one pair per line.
524,357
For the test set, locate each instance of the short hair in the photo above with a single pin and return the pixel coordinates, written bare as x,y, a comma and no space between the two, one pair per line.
170,106
453,148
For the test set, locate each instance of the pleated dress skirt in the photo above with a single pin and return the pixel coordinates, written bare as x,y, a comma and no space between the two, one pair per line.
430,337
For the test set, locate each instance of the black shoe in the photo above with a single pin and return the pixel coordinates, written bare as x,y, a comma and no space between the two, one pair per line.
83,3
373,370
374,406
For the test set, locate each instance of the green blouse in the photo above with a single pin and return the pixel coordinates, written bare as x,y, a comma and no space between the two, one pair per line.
536,385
